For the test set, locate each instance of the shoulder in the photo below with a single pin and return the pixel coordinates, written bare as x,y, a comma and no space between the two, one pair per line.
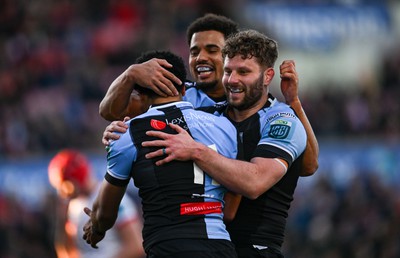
190,85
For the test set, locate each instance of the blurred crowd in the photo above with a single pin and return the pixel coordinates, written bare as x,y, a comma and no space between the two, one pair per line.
58,59
361,220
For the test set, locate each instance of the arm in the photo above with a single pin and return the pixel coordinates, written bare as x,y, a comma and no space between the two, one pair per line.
120,99
104,213
289,87
64,241
250,179
232,202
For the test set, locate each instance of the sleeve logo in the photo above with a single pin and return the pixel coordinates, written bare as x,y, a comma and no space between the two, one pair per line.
279,129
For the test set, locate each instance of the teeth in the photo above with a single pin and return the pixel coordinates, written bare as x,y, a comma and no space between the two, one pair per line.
203,69
237,90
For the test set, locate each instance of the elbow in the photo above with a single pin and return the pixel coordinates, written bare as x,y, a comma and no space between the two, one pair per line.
103,112
253,192
228,217
310,168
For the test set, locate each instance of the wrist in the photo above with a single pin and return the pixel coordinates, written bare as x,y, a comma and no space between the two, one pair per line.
295,102
199,151
96,231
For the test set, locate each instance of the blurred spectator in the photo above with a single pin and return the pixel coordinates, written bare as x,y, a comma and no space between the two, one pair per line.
71,175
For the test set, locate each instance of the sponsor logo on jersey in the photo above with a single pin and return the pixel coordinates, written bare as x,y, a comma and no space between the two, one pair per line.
279,129
158,125
200,208
281,114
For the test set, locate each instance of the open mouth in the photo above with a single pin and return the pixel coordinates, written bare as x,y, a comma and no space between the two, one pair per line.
236,90
203,69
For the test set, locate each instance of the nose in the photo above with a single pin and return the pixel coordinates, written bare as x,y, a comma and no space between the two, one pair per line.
232,78
202,56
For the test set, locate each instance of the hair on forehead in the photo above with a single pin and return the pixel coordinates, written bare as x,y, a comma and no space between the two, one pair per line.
212,21
251,43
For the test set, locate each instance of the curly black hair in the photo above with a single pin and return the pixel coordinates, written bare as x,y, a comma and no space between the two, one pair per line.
212,21
251,43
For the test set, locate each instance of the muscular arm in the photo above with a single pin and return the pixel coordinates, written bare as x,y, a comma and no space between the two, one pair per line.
289,87
104,212
250,179
120,99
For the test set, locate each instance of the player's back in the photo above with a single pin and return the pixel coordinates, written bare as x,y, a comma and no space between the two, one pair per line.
179,200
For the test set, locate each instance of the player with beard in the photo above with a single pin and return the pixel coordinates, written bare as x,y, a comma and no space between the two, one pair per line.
206,37
271,140
182,205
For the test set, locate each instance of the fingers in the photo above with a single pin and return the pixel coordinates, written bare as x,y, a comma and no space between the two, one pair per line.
154,154
109,133
87,211
288,70
177,128
157,134
164,80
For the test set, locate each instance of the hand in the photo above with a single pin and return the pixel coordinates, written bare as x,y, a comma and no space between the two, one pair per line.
115,126
90,235
289,81
177,146
153,75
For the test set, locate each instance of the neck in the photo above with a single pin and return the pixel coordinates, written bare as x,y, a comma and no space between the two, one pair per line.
163,100
241,115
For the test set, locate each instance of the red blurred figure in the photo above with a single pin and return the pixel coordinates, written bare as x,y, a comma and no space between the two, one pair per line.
70,173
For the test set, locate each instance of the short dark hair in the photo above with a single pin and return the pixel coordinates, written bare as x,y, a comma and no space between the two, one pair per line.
212,21
251,43
178,67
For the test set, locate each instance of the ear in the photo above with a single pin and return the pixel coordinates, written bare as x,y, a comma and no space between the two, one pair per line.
269,74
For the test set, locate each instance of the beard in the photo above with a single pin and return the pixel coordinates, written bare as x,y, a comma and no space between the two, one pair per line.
207,86
252,95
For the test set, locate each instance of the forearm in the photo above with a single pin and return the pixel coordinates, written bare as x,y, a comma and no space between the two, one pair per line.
102,220
106,205
115,103
311,153
245,178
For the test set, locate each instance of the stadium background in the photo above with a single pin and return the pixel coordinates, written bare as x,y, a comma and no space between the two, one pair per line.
59,57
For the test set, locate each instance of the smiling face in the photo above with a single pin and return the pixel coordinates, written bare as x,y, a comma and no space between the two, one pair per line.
206,62
246,83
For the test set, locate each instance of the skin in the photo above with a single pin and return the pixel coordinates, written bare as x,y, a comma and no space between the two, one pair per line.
250,179
289,88
104,211
205,53
115,105
129,235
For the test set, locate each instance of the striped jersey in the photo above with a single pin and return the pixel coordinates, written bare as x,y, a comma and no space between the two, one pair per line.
178,199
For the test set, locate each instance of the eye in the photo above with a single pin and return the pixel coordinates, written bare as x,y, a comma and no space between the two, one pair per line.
227,72
194,52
